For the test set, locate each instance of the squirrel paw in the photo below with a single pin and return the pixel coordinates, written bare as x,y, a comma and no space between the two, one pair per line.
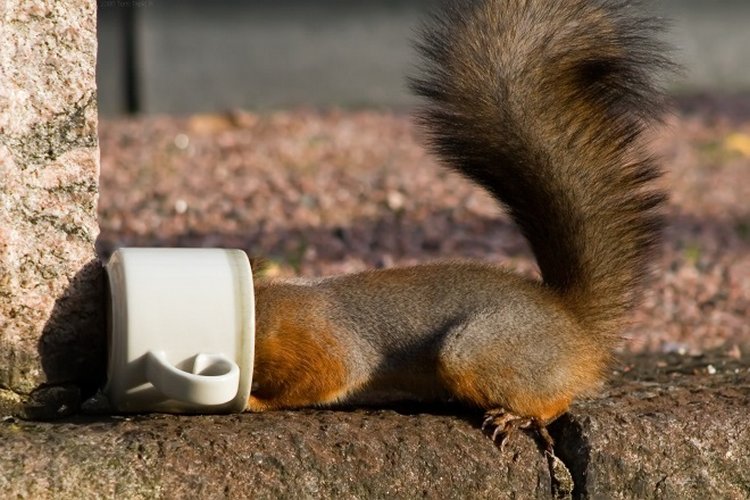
502,423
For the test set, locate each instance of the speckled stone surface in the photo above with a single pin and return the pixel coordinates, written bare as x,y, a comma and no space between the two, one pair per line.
50,281
664,427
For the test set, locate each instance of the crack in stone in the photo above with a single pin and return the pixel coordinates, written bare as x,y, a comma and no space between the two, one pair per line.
569,466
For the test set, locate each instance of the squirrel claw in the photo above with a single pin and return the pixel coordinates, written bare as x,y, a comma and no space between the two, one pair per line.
503,424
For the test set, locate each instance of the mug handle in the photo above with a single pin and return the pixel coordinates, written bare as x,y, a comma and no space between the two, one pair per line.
217,387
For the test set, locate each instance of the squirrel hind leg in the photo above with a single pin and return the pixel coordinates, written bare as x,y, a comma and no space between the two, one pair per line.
531,368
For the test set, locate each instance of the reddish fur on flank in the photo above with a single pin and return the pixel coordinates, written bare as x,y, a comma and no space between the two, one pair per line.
298,361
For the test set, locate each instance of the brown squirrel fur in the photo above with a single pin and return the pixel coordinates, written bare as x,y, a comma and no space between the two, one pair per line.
545,104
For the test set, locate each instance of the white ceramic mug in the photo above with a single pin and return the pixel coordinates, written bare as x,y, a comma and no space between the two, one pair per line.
181,330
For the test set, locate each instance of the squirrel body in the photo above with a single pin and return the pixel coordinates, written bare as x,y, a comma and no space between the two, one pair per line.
545,105
465,330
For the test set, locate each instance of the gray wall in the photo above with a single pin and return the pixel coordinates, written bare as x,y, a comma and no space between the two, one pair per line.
194,56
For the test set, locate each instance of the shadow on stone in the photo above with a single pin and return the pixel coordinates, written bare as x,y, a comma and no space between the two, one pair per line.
72,347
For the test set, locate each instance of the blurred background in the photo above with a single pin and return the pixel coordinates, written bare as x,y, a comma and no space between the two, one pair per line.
190,56
331,177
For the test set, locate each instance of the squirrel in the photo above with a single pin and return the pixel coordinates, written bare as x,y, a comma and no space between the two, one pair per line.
546,105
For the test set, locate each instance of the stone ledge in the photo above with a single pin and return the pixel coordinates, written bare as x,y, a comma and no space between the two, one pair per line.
669,428
327,454
673,427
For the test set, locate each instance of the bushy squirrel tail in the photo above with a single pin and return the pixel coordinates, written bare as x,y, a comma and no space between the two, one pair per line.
545,104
